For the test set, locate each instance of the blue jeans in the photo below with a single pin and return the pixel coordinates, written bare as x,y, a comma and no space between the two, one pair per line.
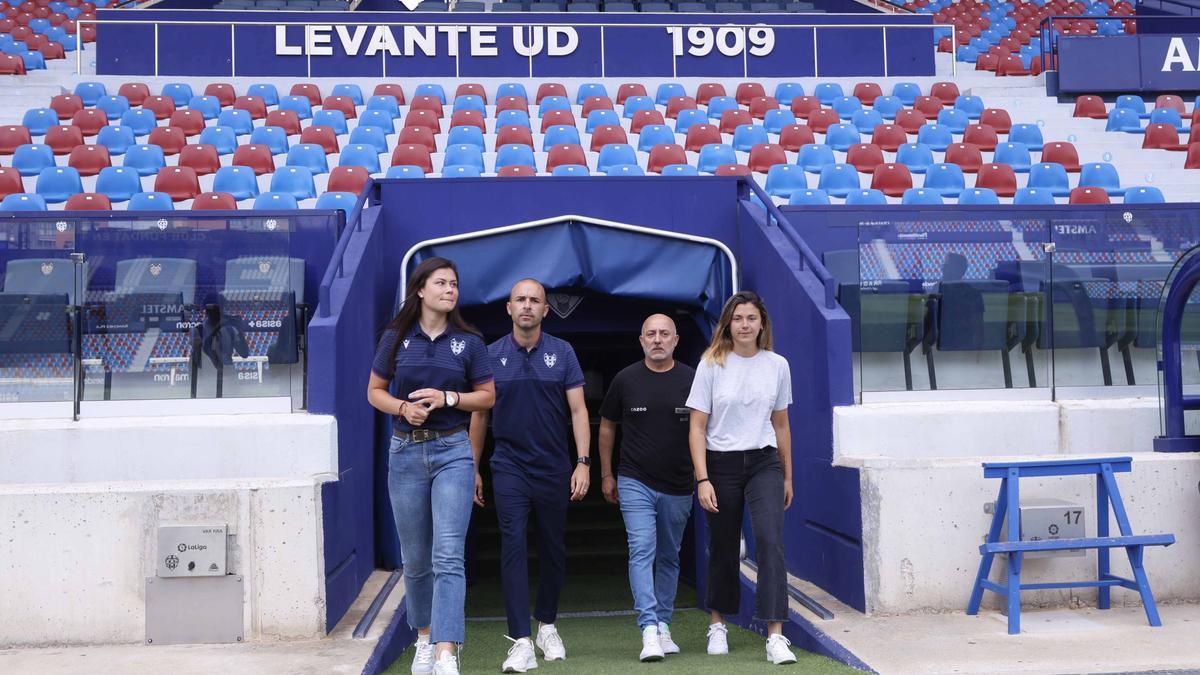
431,485
654,522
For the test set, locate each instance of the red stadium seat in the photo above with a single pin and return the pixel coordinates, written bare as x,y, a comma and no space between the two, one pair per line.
564,154
803,106
707,90
1162,137
471,89
889,137
62,140
223,92
596,103
1193,157
820,120
999,177
214,201
732,170
13,136
431,103
1090,106
549,89
202,157
11,65
793,136
162,106
763,156
251,104
677,103
867,92
966,155
910,120
748,91
864,157
514,135
1010,65
760,105
66,105
88,201
390,90
51,51
511,103
1173,102
170,139
665,154
928,106
10,182
321,135
423,118
342,103
411,153
90,121
982,135
642,118
554,117
987,62
257,157
310,91
135,92
516,170
288,120
629,89
605,134
891,179
179,182
700,135
732,119
190,121
1063,153
1088,195
996,118
348,179
418,136
89,159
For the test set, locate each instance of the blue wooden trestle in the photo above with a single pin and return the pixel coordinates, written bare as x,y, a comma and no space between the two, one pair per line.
1008,505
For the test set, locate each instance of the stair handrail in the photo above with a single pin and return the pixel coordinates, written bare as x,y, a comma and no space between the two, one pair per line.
335,269
806,253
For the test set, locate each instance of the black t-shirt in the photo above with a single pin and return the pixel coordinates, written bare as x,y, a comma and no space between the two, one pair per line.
654,425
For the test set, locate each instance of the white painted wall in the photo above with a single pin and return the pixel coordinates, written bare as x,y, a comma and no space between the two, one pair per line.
923,494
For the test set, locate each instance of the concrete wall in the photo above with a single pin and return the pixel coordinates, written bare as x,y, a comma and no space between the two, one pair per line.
923,495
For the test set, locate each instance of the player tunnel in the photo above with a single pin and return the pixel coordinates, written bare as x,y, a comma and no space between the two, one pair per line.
603,279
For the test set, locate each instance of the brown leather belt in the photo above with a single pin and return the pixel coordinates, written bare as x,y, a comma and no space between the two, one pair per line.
422,435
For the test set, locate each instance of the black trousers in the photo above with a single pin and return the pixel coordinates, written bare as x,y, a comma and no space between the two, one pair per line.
517,498
747,479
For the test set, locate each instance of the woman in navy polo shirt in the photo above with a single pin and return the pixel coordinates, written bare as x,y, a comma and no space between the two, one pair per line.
441,372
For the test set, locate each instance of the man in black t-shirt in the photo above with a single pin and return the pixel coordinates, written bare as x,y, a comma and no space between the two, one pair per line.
654,480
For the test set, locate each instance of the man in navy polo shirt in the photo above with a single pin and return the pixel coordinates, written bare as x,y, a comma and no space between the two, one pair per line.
539,402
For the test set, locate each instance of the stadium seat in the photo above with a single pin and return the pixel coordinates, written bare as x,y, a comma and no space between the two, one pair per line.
345,201
179,182
410,154
907,92
202,158
223,92
658,134
384,103
784,179
294,180
956,120
23,202
1050,177
560,134
760,106
276,201
355,95
714,155
554,118
321,136
55,184
254,156
1062,153
820,120
748,91
463,155
700,135
1090,106
13,136
866,121
10,182
334,119
1168,116
966,155
510,118
746,136
764,156
793,136
889,137
116,138
1033,196
170,139
628,90
864,157
564,153
30,159
1015,155
891,179
1029,134
150,201
62,140
916,156
607,134
208,106
946,179
134,92
312,93
867,92
623,170
678,104
348,178
1101,175
775,120
667,91
981,135
178,92
594,103
706,91
732,170
570,170
928,106
301,105
921,197
1134,103
66,105
1124,119
214,201
868,197
686,118
514,155
88,160
828,92
190,121
910,120
813,157
786,91
1144,195
162,106
809,198
599,118
514,135
404,171
88,201
998,177
221,138
888,106
308,155
803,106
90,92
732,119
837,180
255,106
118,183
238,181
39,120
1088,195
841,136
978,195
971,105
145,159
680,170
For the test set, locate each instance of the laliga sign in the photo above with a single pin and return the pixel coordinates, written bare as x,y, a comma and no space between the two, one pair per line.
413,40
1177,54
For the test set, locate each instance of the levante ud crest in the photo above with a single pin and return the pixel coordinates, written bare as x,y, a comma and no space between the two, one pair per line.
457,346
550,359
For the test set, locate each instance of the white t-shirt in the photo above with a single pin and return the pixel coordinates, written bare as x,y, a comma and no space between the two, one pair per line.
739,398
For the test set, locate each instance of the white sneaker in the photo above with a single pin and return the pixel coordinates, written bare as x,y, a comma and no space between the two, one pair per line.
423,659
718,639
520,656
664,639
777,650
550,643
446,664
651,649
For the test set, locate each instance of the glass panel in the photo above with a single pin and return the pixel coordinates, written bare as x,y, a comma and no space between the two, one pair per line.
948,301
40,287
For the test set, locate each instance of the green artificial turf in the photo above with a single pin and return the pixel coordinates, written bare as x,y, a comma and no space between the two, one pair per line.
580,593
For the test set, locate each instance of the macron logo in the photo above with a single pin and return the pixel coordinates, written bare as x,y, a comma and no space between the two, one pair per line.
411,4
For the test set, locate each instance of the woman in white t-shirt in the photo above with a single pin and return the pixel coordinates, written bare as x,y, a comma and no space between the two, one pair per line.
741,451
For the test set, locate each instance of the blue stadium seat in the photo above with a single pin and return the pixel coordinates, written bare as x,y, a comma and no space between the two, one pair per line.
954,119
907,92
178,92
39,120
598,118
33,61
1144,195
113,106
238,120
466,135
384,103
297,104
1015,155
714,155
687,118
668,90
512,89
887,106
776,119
238,181
431,90
613,154
717,106
784,179
374,137
1169,116
1051,177
866,121
921,196
334,119
56,184
786,91
746,136
1133,102
514,154
636,103
560,134
268,93
680,170
1029,134
273,201
846,106
461,171
1124,119
275,138
828,92
90,92
570,170
971,105
623,170
654,134
142,121
353,91
868,197
294,180
936,136
469,102
974,196
837,180
116,138
23,202
813,157
463,155
337,200
841,136
208,106
381,119
809,198
512,118
916,156
589,89
1033,196
31,158
222,138
359,154
308,155
404,171
553,103
947,179
1101,175
150,201
118,183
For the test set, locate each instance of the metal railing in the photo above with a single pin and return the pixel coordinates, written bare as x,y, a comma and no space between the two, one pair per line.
777,218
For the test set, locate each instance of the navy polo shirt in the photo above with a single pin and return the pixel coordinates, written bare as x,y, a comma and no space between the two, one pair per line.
453,361
531,421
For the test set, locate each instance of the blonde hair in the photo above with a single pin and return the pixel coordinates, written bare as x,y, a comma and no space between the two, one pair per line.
722,339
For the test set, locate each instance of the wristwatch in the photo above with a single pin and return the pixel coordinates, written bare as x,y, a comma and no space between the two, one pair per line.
451,399
584,460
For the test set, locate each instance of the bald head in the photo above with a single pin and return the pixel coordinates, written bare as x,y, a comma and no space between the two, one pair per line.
659,339
527,304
